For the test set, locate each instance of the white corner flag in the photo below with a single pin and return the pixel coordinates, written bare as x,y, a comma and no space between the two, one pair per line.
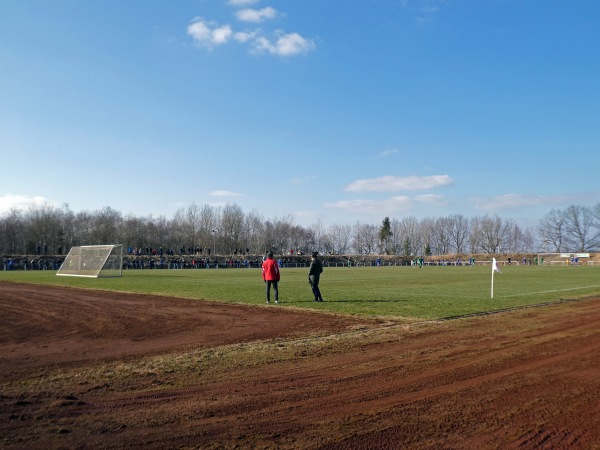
495,268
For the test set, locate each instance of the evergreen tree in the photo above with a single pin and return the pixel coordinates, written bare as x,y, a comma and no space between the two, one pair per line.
385,235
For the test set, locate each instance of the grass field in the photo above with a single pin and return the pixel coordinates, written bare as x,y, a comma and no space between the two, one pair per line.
398,292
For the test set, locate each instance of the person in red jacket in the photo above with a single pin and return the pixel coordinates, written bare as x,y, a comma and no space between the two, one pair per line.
271,276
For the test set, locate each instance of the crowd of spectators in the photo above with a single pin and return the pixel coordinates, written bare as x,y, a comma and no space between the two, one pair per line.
140,258
187,262
32,264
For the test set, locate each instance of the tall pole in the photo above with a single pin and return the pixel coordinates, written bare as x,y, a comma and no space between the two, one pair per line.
215,241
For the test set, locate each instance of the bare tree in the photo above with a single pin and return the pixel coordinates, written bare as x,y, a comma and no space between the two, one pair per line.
413,243
552,230
440,237
427,229
232,227
209,220
458,229
83,228
13,233
514,237
596,214
255,232
320,236
160,233
106,225
282,234
475,235
396,239
575,229
365,238
493,234
579,228
304,239
179,229
43,228
340,237
528,244
134,232
193,216
67,226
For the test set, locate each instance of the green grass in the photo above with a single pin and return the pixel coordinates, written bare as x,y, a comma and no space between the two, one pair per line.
427,293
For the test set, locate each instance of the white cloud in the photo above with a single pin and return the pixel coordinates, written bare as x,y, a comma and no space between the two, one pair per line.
395,184
208,34
386,206
223,193
285,45
517,201
245,36
221,35
386,153
431,199
20,202
256,15
302,180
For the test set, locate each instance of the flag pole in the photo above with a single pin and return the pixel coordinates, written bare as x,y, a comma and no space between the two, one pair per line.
494,269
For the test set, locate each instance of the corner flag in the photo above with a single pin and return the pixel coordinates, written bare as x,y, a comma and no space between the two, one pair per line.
495,268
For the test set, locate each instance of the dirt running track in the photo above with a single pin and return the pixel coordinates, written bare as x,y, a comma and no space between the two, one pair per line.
89,369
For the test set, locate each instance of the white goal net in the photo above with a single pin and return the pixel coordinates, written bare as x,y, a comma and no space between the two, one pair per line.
93,261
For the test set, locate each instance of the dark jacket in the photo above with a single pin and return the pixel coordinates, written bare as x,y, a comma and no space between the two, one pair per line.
314,271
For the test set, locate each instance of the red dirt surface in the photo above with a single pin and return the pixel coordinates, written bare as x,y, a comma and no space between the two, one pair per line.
90,369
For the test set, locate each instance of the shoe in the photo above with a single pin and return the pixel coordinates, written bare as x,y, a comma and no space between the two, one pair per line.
276,301
267,301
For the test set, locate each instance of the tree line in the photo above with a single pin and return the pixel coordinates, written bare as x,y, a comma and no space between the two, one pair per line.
229,230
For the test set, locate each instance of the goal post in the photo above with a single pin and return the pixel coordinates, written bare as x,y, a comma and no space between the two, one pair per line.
93,261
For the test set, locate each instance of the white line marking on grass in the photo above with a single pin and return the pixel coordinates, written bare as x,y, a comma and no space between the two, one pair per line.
549,292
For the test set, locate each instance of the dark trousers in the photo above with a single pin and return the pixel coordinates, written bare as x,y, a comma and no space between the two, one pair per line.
275,289
316,291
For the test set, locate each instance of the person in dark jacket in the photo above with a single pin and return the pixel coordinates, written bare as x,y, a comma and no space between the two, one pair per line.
314,275
271,276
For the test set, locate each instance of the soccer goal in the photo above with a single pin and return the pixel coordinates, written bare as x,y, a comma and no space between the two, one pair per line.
93,261
549,259
561,259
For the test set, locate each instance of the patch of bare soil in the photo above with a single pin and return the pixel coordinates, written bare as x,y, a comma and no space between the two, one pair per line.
88,369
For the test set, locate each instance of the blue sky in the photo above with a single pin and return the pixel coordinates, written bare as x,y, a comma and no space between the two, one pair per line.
329,111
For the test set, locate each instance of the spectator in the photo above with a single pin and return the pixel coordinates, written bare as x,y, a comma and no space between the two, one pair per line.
314,276
271,276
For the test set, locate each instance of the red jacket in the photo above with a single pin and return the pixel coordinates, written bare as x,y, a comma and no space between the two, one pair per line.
270,270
